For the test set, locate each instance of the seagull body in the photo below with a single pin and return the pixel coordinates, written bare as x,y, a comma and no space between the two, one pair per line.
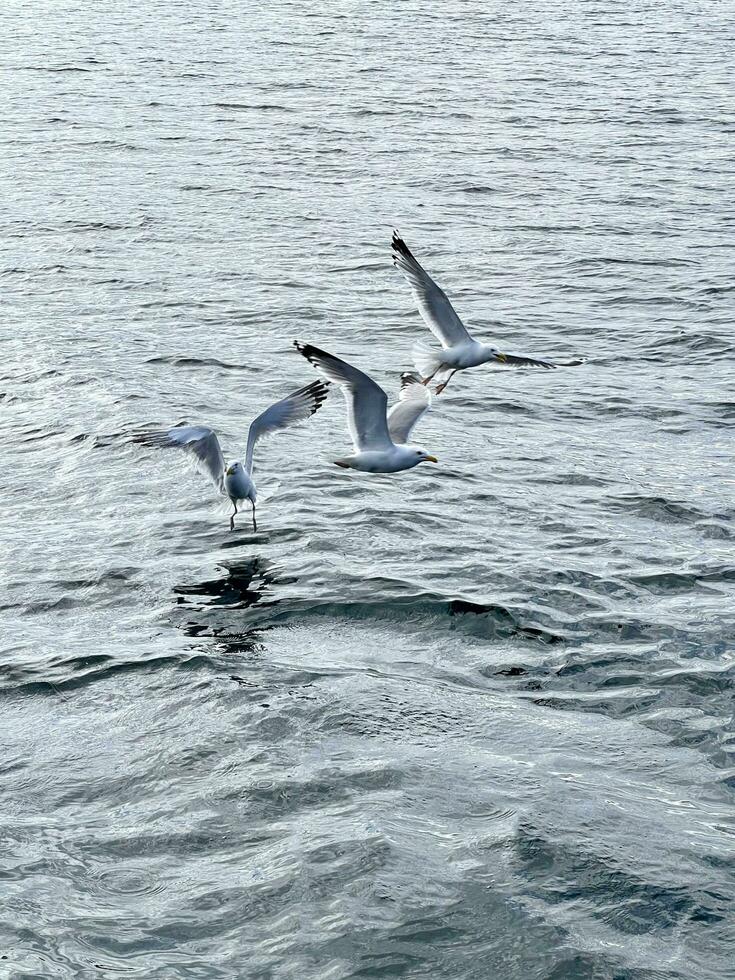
381,460
467,354
235,480
459,349
380,439
238,485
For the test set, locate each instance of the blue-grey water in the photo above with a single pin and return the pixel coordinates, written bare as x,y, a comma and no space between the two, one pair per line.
470,721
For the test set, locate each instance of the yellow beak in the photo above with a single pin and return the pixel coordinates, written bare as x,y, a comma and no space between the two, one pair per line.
431,459
502,358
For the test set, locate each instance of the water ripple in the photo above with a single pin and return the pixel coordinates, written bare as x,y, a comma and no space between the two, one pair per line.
454,724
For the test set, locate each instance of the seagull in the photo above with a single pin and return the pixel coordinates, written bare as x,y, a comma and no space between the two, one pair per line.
460,349
380,439
235,480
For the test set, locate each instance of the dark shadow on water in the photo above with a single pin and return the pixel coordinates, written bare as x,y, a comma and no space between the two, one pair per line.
244,584
243,536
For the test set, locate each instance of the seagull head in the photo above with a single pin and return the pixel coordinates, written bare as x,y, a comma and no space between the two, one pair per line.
424,457
233,468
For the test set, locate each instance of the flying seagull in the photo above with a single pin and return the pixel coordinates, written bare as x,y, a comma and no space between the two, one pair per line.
460,350
235,480
379,438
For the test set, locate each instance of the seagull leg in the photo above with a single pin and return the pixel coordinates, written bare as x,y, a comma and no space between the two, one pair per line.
425,381
440,388
232,518
255,526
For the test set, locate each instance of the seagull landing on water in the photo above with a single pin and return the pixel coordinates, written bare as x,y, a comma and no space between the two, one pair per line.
235,480
379,438
460,350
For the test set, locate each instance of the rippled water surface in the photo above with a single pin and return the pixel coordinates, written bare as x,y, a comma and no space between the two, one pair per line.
469,721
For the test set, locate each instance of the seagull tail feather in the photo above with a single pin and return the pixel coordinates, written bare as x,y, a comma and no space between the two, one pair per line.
426,359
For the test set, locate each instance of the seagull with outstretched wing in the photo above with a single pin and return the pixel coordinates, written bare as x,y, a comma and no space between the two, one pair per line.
459,350
379,438
235,480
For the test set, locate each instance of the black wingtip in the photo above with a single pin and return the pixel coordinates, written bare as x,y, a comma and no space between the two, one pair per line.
311,353
319,390
306,350
409,378
316,390
398,245
318,386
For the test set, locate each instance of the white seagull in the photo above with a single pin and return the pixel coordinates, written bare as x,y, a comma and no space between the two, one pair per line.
235,480
379,438
460,349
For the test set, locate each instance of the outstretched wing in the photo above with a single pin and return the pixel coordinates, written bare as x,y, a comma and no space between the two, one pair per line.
200,442
414,400
294,408
437,312
367,403
518,361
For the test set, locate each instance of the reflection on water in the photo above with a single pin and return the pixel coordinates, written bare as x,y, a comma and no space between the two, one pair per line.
462,724
244,584
206,608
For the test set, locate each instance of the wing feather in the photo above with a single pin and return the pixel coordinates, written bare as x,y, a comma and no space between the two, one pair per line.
296,407
518,361
200,442
367,403
437,312
414,401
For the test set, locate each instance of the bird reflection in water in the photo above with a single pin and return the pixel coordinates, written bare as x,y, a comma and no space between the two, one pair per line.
244,585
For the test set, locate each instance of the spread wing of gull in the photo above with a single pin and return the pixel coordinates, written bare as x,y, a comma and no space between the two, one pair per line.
294,408
367,403
437,312
200,442
518,361
414,401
